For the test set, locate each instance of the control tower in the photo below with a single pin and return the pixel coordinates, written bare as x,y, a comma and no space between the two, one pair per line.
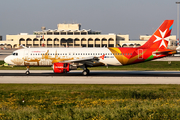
69,26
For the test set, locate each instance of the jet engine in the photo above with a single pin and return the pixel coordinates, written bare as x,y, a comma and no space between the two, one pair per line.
63,67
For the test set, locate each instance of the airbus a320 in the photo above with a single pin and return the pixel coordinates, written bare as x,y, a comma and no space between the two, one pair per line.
65,59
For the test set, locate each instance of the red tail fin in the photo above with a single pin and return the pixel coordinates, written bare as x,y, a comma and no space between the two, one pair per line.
160,38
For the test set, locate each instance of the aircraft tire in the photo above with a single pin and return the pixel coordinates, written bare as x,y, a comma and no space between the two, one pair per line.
27,72
85,72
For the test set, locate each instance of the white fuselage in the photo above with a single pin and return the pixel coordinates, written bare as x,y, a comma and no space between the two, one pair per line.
48,56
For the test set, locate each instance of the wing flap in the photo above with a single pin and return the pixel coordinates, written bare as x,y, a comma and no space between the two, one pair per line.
82,60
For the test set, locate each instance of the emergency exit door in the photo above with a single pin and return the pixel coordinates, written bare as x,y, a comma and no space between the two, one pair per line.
26,53
140,54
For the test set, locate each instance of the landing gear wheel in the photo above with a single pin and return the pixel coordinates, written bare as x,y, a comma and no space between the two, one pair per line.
27,72
85,72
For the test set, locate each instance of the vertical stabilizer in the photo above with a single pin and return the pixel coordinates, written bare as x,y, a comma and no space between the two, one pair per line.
161,36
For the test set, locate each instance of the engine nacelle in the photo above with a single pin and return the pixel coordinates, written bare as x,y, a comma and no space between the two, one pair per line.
61,67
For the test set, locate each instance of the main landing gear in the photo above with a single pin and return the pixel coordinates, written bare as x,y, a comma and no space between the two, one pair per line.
27,71
85,72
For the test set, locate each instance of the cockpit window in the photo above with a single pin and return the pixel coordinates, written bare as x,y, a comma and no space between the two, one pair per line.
15,54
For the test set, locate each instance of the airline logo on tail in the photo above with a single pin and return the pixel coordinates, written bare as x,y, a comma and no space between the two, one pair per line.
160,38
155,47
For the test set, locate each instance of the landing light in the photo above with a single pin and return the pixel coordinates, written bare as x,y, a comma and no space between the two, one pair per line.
5,64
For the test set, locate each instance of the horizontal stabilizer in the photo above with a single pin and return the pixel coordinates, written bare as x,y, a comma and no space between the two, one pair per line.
164,52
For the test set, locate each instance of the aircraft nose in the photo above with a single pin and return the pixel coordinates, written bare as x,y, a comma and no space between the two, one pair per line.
7,60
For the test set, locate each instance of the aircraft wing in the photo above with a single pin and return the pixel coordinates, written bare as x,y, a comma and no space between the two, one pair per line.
88,60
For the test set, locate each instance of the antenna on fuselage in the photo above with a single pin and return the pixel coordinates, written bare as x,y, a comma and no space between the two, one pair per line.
23,46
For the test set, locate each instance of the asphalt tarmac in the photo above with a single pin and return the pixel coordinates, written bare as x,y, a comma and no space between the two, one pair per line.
95,77
93,73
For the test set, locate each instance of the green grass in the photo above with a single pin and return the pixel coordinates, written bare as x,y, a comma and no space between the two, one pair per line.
150,65
89,101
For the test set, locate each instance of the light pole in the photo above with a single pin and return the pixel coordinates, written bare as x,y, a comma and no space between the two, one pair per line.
178,22
43,28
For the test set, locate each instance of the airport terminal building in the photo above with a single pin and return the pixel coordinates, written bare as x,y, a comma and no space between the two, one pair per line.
70,35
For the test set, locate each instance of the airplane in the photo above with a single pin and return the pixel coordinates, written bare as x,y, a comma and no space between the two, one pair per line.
65,59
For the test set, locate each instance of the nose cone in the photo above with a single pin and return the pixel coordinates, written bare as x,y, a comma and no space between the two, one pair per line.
8,60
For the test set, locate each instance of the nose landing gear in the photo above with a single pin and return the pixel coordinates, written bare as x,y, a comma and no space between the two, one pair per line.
27,71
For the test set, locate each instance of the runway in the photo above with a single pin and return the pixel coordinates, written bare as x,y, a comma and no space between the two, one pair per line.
95,77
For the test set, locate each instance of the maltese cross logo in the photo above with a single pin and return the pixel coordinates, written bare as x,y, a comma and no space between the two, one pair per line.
162,38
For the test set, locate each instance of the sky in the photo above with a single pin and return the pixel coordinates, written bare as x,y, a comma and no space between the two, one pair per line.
133,17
